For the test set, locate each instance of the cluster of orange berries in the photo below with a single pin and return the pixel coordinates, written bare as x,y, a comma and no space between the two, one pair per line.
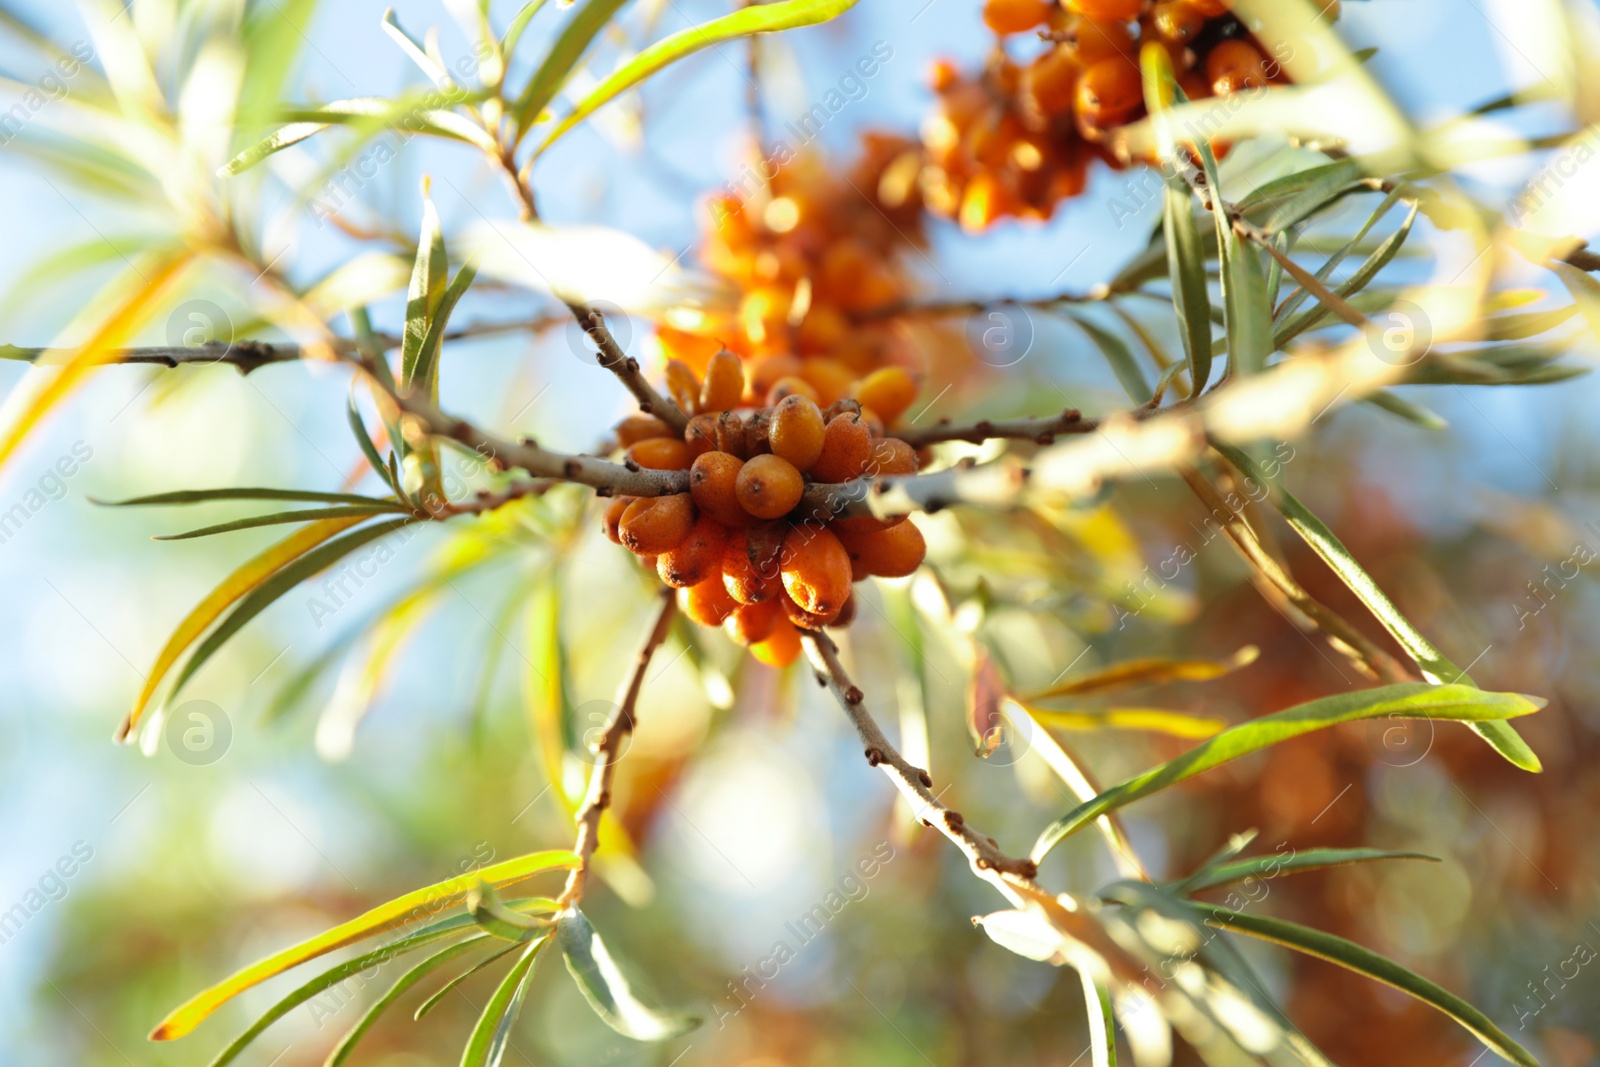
738,546
809,250
1019,138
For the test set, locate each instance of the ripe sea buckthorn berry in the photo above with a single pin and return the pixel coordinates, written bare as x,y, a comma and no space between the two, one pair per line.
713,484
847,614
682,386
730,434
750,563
1210,8
890,455
1177,21
757,433
654,524
613,517
1109,92
816,569
1108,10
708,602
875,427
763,371
724,382
830,378
1234,65
1089,41
779,648
892,553
1051,80
636,428
797,430
823,327
662,454
843,406
1014,16
846,450
749,623
790,385
697,557
769,486
888,391
803,618
701,434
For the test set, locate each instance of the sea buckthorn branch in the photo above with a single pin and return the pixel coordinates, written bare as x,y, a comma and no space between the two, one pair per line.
618,362
608,751
1042,430
914,783
908,308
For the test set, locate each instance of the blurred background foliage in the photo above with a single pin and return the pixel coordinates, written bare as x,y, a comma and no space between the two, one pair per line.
744,789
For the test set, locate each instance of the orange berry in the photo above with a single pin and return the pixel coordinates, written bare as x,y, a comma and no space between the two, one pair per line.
981,203
636,428
697,557
790,385
823,327
1177,20
802,618
701,434
654,524
730,434
1108,10
797,431
847,614
712,484
708,602
1014,16
1235,65
750,562
769,486
749,623
724,382
889,391
892,553
682,386
662,454
757,429
1210,8
1051,80
779,648
1109,92
613,517
890,455
830,378
815,569
762,372
1090,41
846,450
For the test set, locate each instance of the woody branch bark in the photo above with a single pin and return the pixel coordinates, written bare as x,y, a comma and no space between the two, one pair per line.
608,752
618,362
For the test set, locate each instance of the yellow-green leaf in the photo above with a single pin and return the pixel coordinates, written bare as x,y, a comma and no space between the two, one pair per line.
1157,720
418,904
1152,671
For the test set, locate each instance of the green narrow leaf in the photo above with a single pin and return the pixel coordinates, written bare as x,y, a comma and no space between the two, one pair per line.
1264,867
1434,666
347,1044
428,357
278,519
285,579
1414,413
487,1045
369,114
364,440
1102,1025
1116,352
1250,335
432,1002
1282,202
1585,292
414,51
745,22
1186,264
1338,255
1364,961
498,920
576,36
605,988
427,289
1407,700
201,496
513,34
1364,274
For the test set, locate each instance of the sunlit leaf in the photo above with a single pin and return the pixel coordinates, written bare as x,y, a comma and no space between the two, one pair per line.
1153,671
1364,961
418,904
1434,666
1120,357
347,1044
574,40
202,496
433,1001
428,283
605,988
1282,202
1267,867
1406,700
1412,412
745,22
1155,720
1102,1026
500,921
487,1045
282,517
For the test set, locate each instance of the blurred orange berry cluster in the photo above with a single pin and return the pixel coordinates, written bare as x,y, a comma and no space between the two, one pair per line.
1018,137
740,546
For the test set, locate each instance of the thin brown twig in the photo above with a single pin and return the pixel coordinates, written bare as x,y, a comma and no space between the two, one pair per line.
914,783
618,362
608,752
1043,430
